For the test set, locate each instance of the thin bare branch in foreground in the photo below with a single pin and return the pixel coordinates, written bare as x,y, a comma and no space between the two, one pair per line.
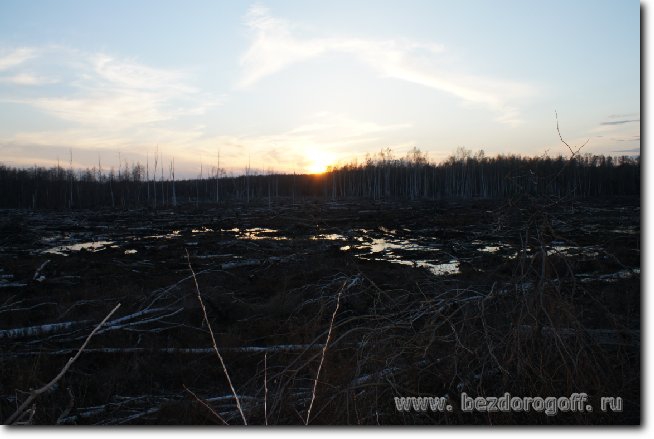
34,393
213,340
207,406
572,152
324,349
265,387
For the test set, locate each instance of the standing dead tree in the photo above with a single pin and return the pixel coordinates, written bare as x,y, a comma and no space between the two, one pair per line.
154,175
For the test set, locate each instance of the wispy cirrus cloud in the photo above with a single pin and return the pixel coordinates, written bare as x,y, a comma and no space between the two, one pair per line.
632,150
100,90
10,58
634,138
626,123
27,79
275,46
133,75
619,122
608,133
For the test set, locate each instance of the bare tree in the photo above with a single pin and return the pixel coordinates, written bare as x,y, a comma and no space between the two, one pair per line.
154,177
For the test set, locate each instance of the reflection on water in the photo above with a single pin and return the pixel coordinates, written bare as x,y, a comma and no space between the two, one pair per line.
381,245
257,233
171,235
328,237
489,247
419,249
437,269
591,251
391,248
92,246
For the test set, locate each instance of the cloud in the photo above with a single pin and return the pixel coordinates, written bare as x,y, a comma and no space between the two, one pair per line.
132,75
620,122
71,138
104,91
628,150
634,138
120,111
606,135
274,46
16,57
27,79
621,128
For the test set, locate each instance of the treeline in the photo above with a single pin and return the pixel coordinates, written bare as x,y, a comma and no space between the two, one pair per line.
381,177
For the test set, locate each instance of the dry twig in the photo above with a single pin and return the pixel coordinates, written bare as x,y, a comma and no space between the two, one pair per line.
213,340
34,393
207,406
324,350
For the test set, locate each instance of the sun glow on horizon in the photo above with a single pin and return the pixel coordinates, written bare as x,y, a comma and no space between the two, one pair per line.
320,162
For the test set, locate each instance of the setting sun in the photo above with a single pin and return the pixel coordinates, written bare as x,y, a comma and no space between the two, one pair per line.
319,163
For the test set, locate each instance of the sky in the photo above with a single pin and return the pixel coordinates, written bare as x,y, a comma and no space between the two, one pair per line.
295,86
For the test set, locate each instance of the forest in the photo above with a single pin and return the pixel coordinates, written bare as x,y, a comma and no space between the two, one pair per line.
463,175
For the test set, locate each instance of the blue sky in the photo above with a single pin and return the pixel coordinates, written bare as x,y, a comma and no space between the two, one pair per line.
294,86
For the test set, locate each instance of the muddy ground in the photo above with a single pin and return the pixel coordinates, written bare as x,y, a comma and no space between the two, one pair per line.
535,298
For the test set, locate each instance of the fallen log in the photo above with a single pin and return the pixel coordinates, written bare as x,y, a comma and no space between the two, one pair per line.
37,275
175,351
238,264
31,331
603,337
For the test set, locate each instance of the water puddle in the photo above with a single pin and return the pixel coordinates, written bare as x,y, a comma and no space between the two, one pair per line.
591,251
491,247
382,245
171,235
257,233
92,246
437,269
328,237
395,250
